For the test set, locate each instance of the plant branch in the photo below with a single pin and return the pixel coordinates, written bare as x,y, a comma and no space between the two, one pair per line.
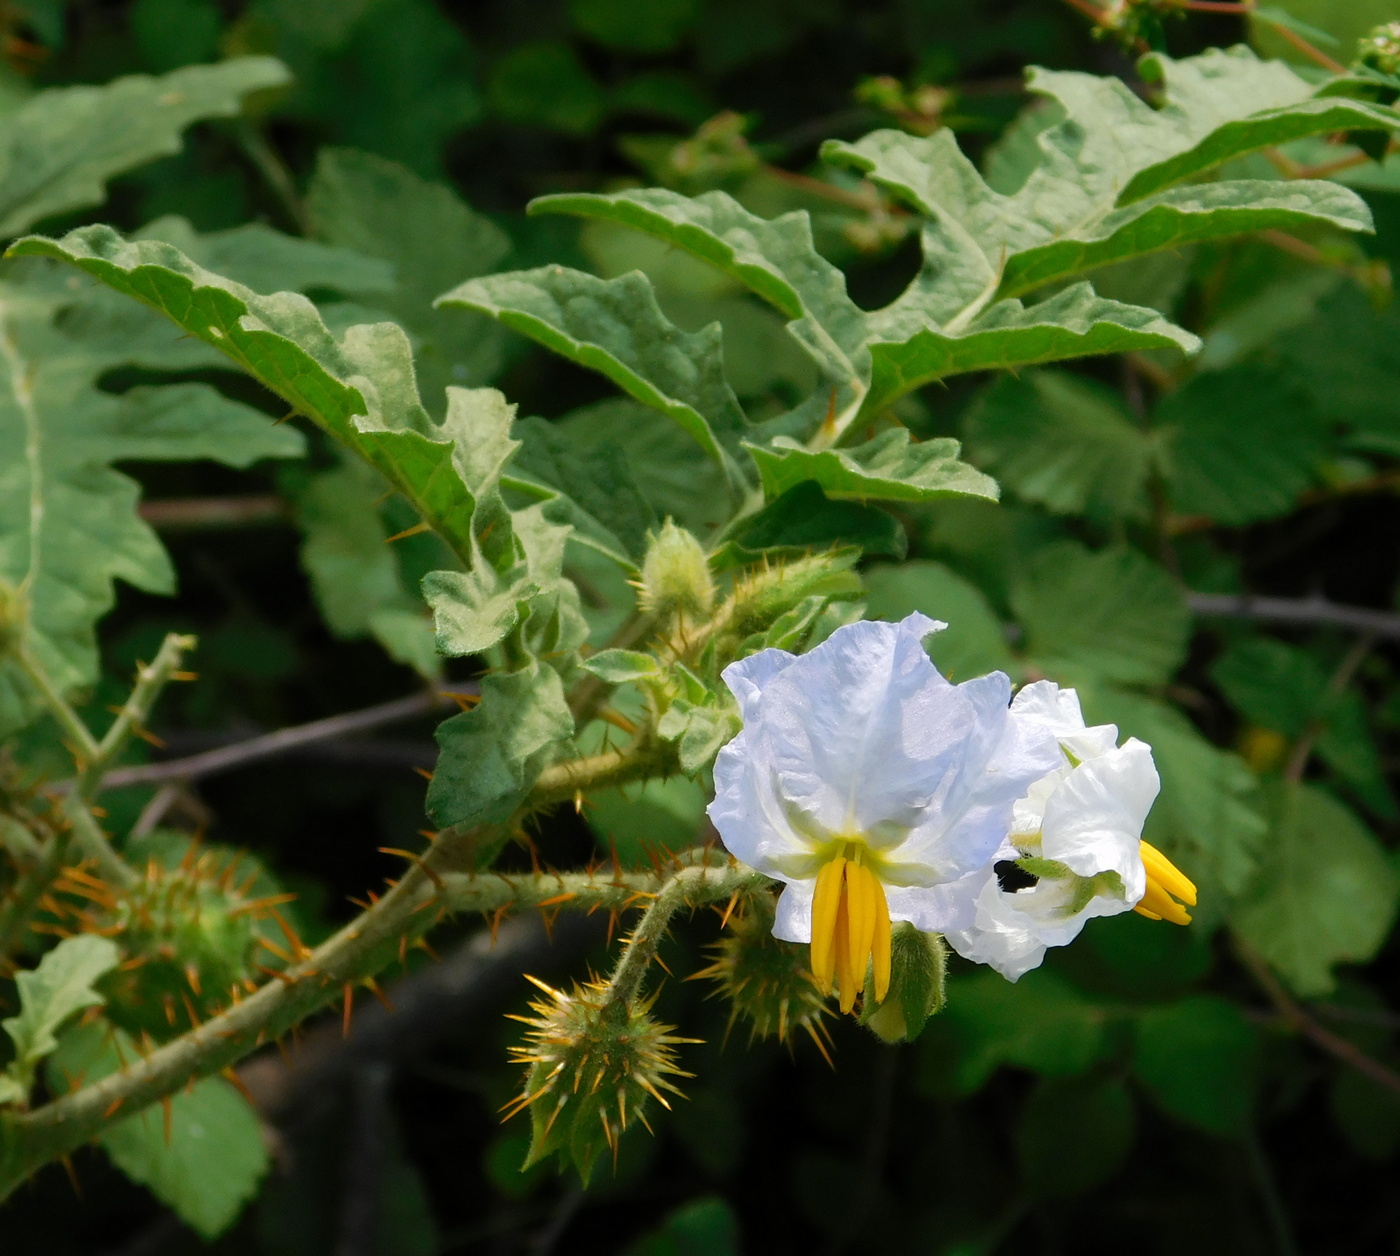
1300,1022
362,948
1341,678
83,745
269,745
1312,612
178,513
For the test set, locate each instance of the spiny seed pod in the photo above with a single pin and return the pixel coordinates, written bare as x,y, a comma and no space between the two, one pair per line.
593,1064
1380,49
676,576
766,981
192,929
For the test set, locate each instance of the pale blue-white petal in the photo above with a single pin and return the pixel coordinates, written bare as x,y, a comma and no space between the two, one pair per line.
1093,821
794,917
864,730
747,811
749,677
970,815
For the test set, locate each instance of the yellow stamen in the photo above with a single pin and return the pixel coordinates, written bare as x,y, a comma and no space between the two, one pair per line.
825,904
850,929
1158,901
1167,874
880,945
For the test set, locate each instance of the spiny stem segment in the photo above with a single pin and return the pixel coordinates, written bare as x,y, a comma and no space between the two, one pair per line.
361,949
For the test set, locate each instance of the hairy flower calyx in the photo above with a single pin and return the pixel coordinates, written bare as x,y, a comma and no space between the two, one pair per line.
850,926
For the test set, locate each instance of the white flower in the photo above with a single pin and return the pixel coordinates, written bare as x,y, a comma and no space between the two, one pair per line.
873,787
1079,831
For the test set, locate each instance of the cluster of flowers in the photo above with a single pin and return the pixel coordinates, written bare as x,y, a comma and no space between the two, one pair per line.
879,792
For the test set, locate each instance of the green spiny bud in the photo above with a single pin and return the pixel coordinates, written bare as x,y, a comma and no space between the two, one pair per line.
593,1065
767,981
763,594
676,576
191,930
917,965
1380,48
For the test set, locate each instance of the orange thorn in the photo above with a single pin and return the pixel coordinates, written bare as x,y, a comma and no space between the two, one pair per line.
349,1008
423,526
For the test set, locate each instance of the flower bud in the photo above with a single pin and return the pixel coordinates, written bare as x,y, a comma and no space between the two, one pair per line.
767,981
676,576
593,1064
1380,48
917,964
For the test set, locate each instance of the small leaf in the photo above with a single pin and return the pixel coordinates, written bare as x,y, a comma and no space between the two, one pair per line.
1239,445
490,756
890,467
473,611
618,667
1326,892
910,349
616,327
1041,1023
354,574
804,518
59,148
698,731
432,239
1063,442
205,1164
50,995
1113,614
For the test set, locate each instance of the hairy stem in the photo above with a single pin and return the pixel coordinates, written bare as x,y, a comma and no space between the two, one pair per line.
82,744
360,950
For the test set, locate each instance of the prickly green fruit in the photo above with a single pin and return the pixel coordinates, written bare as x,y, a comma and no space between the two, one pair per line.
766,981
197,927
593,1066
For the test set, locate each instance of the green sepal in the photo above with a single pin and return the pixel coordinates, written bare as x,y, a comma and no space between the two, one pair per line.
918,965
619,667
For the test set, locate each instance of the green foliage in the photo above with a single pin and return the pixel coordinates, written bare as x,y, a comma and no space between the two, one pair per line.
68,516
203,1158
58,150
1330,893
50,996
1198,1060
791,447
1114,614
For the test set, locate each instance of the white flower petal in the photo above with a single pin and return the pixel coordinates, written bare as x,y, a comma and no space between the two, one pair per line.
1057,711
1093,821
749,677
863,730
794,918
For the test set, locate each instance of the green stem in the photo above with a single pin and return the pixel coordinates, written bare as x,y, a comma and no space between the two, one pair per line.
689,886
84,745
93,843
361,949
35,877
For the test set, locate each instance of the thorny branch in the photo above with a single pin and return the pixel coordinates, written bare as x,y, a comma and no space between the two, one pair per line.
427,891
1297,1019
1312,612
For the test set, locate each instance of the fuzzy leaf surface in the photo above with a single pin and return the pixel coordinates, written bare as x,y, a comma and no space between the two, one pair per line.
616,327
60,147
68,521
205,1165
49,996
1325,894
361,389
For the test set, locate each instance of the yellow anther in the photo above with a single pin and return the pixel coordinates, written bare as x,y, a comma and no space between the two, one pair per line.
826,902
850,929
1167,874
1161,904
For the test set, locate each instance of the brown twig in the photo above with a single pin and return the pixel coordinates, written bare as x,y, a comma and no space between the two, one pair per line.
175,513
1341,678
1300,1022
1312,612
268,745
